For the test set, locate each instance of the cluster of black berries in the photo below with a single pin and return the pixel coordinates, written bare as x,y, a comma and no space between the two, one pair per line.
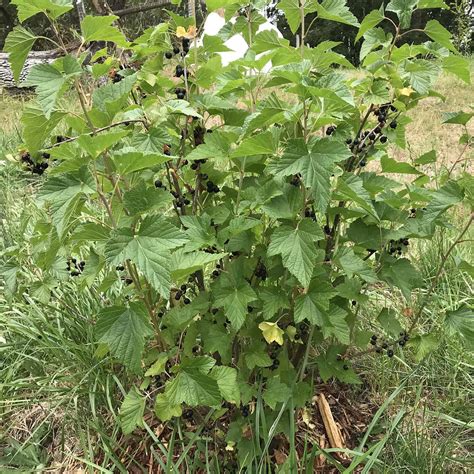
261,271
182,292
199,134
274,348
75,268
244,409
196,164
212,249
211,187
180,201
295,180
302,331
379,348
159,184
309,212
120,268
36,168
180,71
396,246
180,93
218,269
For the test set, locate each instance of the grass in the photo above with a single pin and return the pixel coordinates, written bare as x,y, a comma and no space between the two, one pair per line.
59,402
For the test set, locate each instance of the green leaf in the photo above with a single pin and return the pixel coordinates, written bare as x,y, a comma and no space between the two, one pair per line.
273,300
51,8
261,144
402,274
336,10
36,127
183,263
158,366
99,28
94,145
66,194
9,272
276,392
424,345
352,264
91,231
131,411
461,322
49,83
19,43
459,66
369,22
457,118
440,34
442,199
233,295
297,248
335,324
291,8
388,320
129,160
426,158
404,10
314,304
193,387
268,40
226,378
315,165
177,106
351,188
124,331
421,74
432,4
256,356
389,165
164,409
149,248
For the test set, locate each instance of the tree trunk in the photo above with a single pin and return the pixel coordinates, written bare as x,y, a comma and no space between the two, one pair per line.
142,8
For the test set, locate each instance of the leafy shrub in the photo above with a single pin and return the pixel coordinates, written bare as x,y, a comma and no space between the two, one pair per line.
230,220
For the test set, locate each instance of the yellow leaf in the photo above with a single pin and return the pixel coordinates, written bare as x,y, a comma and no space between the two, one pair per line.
181,32
271,332
191,31
406,91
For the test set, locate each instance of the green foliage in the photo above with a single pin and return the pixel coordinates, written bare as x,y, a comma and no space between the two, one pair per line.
229,231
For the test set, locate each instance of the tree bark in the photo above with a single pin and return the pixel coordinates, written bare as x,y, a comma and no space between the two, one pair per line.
141,8
81,11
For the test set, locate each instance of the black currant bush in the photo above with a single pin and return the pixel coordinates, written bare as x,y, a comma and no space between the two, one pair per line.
227,261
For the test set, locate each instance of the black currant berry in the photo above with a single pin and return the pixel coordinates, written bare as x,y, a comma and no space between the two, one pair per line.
186,300
393,124
390,353
348,141
373,337
345,367
175,50
158,184
168,55
383,139
372,136
245,411
194,166
183,287
178,295
297,336
330,130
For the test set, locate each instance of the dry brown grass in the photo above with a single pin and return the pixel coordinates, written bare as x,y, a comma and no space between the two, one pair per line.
427,132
